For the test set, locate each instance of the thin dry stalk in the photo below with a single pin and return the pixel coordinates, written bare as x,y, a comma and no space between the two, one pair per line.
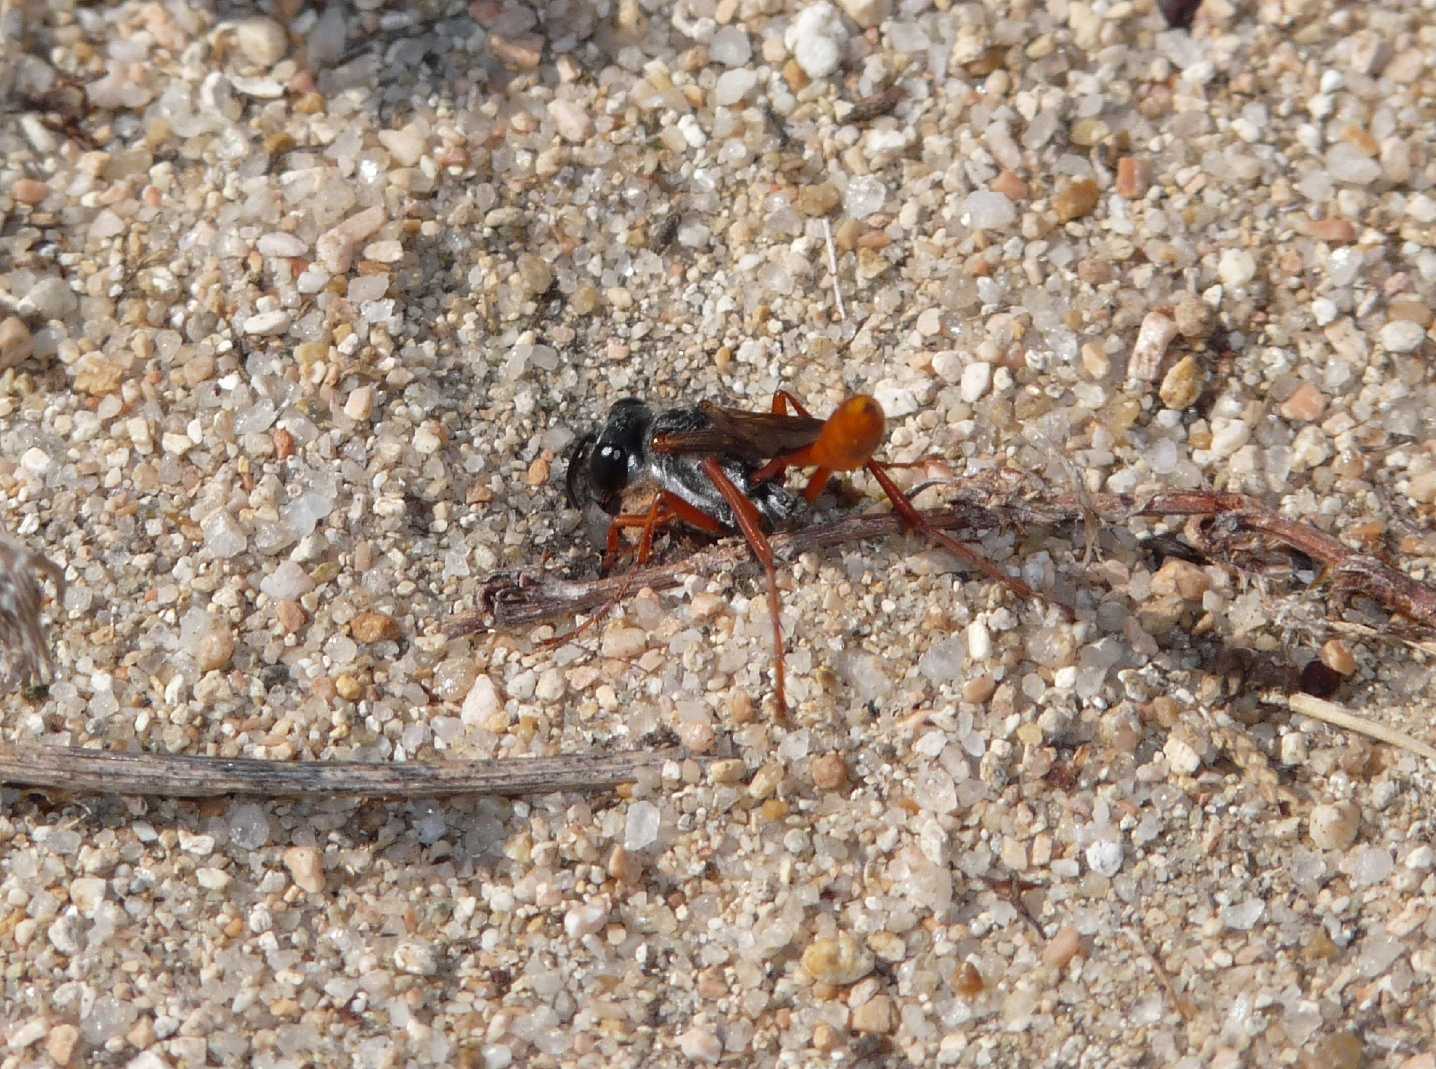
833,270
1331,713
71,768
516,600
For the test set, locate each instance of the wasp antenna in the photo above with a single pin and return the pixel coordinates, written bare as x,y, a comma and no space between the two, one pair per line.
575,475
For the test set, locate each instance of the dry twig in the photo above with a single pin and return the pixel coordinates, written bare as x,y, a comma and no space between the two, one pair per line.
517,600
71,768
1331,713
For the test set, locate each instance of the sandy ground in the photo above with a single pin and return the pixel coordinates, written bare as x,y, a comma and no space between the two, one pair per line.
301,309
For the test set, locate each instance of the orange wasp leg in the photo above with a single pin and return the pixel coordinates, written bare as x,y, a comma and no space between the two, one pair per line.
856,423
745,515
666,509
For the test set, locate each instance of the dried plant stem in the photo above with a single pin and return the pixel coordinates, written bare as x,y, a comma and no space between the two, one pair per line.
1331,713
72,768
516,600
833,271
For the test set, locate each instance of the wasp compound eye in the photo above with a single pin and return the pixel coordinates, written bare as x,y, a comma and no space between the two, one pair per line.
608,469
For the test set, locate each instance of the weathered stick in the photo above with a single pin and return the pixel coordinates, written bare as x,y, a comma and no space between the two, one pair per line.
1319,709
516,600
72,768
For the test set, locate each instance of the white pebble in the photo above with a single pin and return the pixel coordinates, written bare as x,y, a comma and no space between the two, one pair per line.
733,86
550,686
87,893
404,144
1237,267
306,866
1371,865
259,88
867,13
1421,859
1181,757
278,243
64,934
570,120
267,323
198,845
481,702
367,288
1343,265
312,280
692,131
1402,336
288,582
1346,163
223,536
35,460
50,298
29,1033
1422,208
335,247
1228,435
263,41
216,97
1334,827
1104,857
640,829
987,210
416,958
360,403
426,441
700,1045
497,1056
864,196
730,47
1153,339
384,252
586,919
976,377
948,365
979,640
816,38
896,399
1242,916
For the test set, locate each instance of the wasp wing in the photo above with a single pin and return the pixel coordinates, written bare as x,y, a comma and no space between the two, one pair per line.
752,437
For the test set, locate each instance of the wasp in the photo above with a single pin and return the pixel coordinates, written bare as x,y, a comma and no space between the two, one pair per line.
719,470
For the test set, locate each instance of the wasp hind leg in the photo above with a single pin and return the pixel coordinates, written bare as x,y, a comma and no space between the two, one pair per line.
856,429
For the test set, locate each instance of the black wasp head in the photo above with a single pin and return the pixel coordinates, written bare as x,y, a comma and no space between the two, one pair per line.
599,465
